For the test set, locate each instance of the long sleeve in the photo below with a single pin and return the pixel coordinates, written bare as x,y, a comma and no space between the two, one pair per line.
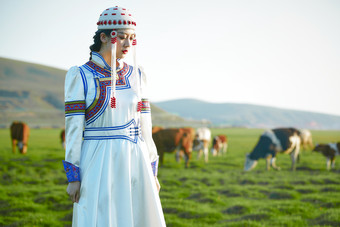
146,125
74,122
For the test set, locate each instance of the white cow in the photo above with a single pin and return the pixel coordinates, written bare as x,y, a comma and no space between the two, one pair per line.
201,142
306,139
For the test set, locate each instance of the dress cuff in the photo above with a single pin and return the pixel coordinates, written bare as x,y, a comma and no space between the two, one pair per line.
72,171
154,166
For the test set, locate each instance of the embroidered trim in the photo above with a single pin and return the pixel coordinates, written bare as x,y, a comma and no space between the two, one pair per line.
75,108
145,106
130,131
99,56
72,171
100,102
123,74
154,166
84,80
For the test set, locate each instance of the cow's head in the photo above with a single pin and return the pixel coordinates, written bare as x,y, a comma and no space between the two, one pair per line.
320,148
249,164
197,144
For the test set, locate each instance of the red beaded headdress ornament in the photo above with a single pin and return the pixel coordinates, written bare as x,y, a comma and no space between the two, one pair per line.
118,18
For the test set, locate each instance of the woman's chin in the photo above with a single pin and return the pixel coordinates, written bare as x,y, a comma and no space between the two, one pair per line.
121,56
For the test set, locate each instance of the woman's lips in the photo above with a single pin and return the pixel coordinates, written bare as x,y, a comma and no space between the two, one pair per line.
125,51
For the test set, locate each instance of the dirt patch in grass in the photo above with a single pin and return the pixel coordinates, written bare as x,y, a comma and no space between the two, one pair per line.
250,217
330,181
305,191
206,181
322,221
298,182
183,179
170,210
189,215
280,195
317,182
250,182
327,189
229,193
44,199
198,197
236,210
6,179
331,205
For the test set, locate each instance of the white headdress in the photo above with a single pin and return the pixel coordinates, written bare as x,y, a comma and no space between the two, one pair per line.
118,18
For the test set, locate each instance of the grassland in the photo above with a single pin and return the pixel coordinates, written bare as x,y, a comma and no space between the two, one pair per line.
219,193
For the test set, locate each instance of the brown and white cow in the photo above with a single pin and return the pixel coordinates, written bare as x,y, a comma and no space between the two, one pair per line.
62,138
19,136
202,142
306,139
174,139
330,151
220,145
271,142
156,129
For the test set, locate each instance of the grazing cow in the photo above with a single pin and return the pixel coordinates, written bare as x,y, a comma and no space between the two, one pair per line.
306,139
330,151
62,138
220,145
156,129
271,142
168,140
201,142
19,136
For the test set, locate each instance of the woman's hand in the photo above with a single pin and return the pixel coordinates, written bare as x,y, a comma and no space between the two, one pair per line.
73,190
157,184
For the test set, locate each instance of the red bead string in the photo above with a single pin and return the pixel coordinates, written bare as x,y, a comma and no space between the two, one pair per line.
134,42
139,106
114,40
113,102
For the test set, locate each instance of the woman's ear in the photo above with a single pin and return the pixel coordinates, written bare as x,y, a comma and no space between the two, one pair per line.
103,37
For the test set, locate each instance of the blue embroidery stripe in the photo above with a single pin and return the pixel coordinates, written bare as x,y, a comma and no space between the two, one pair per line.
72,171
111,128
110,137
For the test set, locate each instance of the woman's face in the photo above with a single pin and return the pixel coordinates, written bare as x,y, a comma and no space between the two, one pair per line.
124,41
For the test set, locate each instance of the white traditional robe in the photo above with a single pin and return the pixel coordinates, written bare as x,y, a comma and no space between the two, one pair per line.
110,150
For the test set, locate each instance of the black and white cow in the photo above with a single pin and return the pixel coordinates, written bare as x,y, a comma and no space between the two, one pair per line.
330,151
271,142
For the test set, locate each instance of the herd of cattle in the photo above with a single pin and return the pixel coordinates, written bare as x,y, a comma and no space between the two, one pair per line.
184,141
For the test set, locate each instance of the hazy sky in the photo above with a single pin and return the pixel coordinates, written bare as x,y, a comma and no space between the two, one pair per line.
275,53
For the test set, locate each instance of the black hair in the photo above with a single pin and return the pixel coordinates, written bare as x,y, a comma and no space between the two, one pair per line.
97,43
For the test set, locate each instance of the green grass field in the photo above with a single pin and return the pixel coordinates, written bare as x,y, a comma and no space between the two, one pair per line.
219,193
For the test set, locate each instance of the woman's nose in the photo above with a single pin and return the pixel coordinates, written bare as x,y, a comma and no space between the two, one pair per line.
128,43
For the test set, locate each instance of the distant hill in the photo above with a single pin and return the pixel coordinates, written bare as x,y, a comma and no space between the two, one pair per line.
34,94
246,115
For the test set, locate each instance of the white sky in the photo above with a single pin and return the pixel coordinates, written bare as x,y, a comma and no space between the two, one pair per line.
276,53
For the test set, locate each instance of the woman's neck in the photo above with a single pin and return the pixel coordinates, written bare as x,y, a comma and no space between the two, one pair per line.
107,57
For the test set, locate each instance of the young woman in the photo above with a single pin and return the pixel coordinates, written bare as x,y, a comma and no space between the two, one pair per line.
111,160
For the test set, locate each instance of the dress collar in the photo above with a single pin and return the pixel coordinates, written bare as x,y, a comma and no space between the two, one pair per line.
99,60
